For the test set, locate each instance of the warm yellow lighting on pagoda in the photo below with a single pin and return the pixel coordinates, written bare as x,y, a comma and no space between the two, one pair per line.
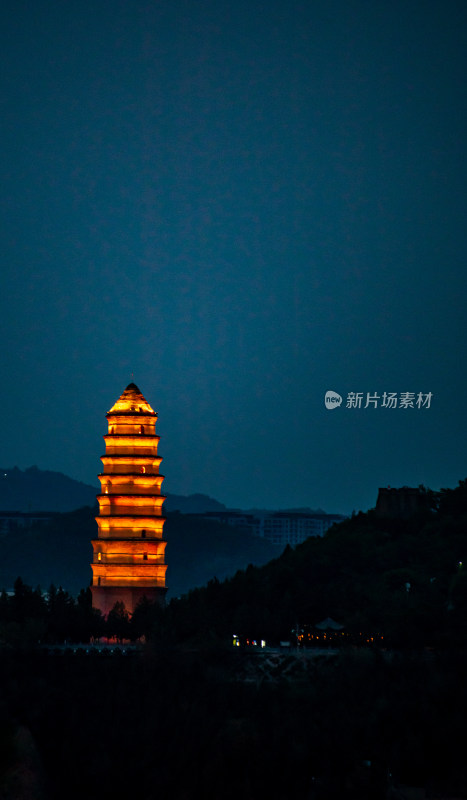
132,460
128,560
120,440
132,400
139,481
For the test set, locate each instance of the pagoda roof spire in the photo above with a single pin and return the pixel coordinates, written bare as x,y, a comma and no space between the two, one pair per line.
131,399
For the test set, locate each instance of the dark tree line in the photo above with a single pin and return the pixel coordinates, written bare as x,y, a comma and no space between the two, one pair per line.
29,616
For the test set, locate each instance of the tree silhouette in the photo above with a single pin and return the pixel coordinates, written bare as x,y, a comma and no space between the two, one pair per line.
118,622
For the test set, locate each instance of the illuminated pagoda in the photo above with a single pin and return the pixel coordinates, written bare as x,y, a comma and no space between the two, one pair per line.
128,558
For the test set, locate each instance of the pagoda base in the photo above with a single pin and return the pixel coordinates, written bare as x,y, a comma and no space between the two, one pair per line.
105,597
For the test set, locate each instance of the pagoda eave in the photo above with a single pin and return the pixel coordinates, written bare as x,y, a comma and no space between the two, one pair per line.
119,583
143,475
125,414
132,456
117,539
135,459
134,517
130,569
135,436
128,496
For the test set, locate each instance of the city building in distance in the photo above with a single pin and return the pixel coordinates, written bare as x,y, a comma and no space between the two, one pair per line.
278,527
16,520
129,553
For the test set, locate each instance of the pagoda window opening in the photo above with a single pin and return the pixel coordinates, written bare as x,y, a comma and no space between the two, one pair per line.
143,534
98,581
141,428
99,556
145,556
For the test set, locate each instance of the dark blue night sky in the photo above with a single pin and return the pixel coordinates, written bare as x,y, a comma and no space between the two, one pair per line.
244,204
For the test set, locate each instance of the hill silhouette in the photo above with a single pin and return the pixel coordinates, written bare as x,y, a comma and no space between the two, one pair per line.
34,489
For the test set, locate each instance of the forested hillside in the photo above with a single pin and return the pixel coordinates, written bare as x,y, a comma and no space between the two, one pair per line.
405,579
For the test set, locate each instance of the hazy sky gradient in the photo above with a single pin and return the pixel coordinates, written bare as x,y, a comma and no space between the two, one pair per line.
244,204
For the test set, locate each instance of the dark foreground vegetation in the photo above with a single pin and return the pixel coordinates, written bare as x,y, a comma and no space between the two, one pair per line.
181,725
189,716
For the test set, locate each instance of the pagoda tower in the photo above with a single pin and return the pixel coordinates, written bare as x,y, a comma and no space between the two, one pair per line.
128,555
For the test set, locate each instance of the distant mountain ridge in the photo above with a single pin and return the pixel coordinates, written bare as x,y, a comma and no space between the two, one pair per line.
34,489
